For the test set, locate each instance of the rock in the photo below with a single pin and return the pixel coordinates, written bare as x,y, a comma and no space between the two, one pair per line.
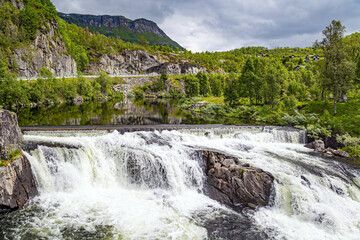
333,152
235,185
17,182
47,50
10,133
316,145
78,100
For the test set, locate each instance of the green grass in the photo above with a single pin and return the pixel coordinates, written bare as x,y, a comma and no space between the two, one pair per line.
346,120
13,155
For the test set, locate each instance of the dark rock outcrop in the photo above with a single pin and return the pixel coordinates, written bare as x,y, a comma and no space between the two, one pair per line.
235,185
17,182
319,146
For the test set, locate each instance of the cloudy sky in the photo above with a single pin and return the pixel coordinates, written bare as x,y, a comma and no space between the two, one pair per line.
214,25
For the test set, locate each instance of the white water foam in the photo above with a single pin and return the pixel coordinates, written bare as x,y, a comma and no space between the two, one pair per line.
148,185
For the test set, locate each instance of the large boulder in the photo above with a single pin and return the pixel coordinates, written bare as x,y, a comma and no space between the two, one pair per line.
17,182
234,184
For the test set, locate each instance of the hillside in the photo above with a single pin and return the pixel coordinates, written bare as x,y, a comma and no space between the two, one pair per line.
35,40
119,26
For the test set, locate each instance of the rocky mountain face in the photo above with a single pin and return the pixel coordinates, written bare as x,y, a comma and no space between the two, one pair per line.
47,51
119,26
17,182
140,61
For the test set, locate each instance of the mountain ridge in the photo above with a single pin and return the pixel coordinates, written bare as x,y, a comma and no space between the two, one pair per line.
122,27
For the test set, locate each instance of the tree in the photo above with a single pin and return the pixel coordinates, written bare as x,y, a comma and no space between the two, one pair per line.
231,95
338,72
192,86
205,89
143,41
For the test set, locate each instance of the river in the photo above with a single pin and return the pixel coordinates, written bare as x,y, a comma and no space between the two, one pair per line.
149,185
128,112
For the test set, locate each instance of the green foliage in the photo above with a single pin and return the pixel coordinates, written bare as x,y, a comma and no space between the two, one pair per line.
338,72
216,85
205,89
192,86
12,155
231,95
160,84
104,82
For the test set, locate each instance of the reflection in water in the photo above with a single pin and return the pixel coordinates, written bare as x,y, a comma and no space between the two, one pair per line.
138,112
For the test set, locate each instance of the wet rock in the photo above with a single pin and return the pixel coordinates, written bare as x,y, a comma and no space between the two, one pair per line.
305,181
316,145
332,152
17,182
235,185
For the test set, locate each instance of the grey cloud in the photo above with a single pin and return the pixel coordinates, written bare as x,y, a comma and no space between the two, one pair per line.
218,25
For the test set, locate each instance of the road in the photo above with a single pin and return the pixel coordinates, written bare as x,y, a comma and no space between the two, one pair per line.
121,76
94,76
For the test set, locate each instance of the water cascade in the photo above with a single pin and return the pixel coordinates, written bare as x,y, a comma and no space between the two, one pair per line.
149,185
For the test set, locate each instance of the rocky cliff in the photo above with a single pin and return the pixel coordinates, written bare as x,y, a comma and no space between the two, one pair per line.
17,182
47,51
140,62
119,26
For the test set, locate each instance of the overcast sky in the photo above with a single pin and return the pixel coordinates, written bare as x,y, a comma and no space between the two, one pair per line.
215,25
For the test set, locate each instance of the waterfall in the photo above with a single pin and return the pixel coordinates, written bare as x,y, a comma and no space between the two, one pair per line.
149,185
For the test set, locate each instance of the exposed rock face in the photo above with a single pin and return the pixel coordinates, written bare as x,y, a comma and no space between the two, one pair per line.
129,62
137,62
236,185
17,182
47,51
316,145
175,68
10,133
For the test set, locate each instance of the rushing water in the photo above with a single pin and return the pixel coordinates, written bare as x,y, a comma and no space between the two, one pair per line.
148,185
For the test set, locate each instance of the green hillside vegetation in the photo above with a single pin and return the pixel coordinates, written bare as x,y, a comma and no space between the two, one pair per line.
18,28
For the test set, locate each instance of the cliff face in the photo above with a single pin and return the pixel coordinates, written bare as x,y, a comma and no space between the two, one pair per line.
46,51
17,182
139,62
119,26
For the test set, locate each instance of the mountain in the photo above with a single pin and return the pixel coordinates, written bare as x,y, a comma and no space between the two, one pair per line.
122,27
